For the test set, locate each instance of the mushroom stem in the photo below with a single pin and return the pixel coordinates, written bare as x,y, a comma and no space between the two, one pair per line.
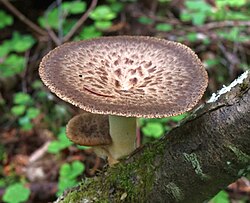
123,133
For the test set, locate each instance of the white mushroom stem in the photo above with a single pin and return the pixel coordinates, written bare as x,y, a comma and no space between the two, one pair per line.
123,133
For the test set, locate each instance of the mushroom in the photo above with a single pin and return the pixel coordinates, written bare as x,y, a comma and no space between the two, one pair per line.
125,77
91,130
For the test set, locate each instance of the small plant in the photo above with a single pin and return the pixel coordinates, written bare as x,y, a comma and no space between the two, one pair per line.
164,27
6,19
221,197
16,193
68,175
55,17
103,16
145,20
156,128
196,11
12,62
61,143
24,110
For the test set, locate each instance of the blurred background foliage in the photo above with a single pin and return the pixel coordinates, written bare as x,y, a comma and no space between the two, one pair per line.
37,161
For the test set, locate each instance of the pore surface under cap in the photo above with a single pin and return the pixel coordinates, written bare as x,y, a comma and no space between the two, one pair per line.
127,76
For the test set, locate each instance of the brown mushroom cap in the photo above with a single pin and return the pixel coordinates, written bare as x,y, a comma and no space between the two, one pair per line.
89,130
131,76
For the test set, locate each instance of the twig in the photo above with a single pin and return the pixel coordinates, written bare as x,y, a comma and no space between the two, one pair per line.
228,23
80,21
23,18
51,33
60,21
39,153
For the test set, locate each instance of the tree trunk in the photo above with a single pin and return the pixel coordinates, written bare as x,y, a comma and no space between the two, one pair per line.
192,163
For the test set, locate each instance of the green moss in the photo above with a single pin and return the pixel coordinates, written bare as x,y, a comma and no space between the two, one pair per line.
241,156
134,178
173,190
193,159
244,86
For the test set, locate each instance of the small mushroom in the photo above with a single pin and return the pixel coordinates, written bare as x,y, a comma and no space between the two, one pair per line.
125,77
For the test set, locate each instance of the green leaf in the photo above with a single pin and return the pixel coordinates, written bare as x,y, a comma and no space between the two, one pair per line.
5,48
221,197
211,62
22,98
200,5
164,27
21,43
25,123
77,169
55,147
153,129
32,112
50,19
192,36
233,3
60,144
199,18
65,170
5,19
117,7
89,32
179,117
145,20
18,110
75,7
185,16
16,193
102,13
82,147
12,65
103,25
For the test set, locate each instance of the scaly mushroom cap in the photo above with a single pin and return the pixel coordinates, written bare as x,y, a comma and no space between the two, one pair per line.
131,76
89,130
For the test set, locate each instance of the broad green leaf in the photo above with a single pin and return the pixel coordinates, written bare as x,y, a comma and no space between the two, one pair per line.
102,13
21,43
22,98
145,20
164,27
5,19
192,37
65,170
221,197
55,147
25,123
77,169
103,25
75,7
179,117
199,18
89,32
200,5
153,129
32,112
50,19
12,65
18,110
16,193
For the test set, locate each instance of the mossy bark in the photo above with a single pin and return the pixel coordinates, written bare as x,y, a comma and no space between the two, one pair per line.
191,164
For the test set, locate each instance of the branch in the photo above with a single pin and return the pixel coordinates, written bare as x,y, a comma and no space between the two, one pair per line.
80,21
23,18
192,163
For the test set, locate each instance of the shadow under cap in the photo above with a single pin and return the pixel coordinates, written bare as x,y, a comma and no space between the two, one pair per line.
131,76
89,130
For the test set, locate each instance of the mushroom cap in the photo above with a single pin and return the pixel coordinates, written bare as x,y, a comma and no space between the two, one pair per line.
133,76
89,130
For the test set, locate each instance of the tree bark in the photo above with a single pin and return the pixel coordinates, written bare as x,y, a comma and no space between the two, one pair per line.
193,162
